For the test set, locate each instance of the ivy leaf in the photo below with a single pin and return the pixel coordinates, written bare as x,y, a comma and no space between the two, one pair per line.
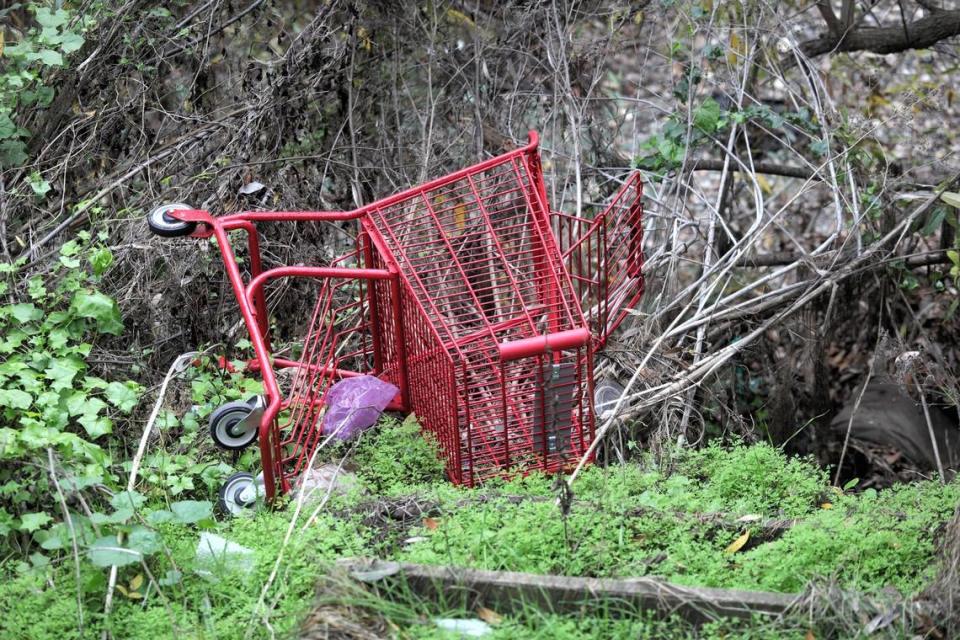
106,552
40,186
62,371
117,517
8,127
71,42
101,308
24,312
95,426
80,404
51,19
50,57
144,540
93,406
100,260
122,396
13,153
33,521
58,338
15,399
37,436
127,500
55,540
707,116
159,517
93,382
191,511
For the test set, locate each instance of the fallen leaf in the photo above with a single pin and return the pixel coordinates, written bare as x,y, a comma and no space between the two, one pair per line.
737,544
489,616
764,184
137,582
827,505
250,187
430,523
810,635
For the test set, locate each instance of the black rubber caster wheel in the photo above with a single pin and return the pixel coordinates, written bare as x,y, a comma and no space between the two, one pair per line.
238,494
235,425
161,223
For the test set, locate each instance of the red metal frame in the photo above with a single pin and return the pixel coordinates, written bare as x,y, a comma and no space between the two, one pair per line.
604,257
456,291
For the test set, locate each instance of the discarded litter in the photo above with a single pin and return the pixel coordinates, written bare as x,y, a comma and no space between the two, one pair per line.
217,553
466,627
354,404
328,478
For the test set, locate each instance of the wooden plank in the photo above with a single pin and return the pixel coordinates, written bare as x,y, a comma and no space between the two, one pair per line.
506,591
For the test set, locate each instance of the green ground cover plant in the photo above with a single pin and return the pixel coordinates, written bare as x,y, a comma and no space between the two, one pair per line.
745,517
628,520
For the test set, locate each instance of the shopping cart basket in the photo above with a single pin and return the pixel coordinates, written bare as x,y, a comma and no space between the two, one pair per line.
481,306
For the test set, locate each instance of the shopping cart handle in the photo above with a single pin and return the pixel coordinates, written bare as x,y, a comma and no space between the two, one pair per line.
537,345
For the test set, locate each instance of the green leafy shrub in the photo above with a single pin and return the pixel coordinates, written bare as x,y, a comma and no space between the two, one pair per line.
398,454
49,400
21,83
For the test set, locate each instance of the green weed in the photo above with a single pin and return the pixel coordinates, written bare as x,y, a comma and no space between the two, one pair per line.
397,455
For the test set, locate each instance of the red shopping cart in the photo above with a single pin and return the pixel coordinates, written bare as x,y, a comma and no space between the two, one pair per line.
483,308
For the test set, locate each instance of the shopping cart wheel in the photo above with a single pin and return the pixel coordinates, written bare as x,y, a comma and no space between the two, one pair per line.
238,493
235,425
163,224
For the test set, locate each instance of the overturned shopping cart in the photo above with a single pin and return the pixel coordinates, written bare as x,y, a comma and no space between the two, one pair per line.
481,306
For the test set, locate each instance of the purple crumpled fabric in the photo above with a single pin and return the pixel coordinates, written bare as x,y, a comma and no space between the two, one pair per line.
354,404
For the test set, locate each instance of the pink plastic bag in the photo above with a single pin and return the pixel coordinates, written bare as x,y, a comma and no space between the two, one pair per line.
355,404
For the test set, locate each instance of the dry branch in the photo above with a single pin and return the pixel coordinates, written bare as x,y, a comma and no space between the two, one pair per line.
919,34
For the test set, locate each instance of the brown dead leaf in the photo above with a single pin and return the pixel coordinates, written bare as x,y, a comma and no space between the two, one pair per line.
489,616
809,635
737,544
430,523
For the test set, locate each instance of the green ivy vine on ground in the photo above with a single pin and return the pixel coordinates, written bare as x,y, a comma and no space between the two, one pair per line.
48,397
60,33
